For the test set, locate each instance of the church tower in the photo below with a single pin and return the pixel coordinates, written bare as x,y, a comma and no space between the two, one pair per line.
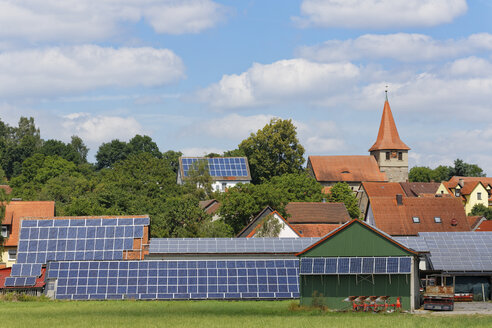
390,152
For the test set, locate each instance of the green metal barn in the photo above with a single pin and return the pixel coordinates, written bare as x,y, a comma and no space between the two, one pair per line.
358,260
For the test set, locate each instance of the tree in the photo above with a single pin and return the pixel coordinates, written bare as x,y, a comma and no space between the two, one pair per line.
420,174
466,170
143,144
340,192
269,227
171,157
199,180
111,152
59,148
481,210
241,203
273,151
78,145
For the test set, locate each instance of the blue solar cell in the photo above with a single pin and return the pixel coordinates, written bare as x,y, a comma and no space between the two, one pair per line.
44,233
405,264
380,265
392,265
343,265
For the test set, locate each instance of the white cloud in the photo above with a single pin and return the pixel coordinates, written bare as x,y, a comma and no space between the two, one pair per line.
400,47
100,128
379,13
281,81
232,126
88,20
58,70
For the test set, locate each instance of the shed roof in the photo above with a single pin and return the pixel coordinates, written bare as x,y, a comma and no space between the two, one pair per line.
416,189
355,168
311,212
485,226
5,273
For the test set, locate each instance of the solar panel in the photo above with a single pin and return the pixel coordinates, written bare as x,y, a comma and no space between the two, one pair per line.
195,279
20,281
355,265
219,166
42,241
228,245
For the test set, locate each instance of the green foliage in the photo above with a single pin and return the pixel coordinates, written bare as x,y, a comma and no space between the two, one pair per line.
199,180
273,151
110,153
241,203
269,227
65,151
341,192
444,173
481,210
171,158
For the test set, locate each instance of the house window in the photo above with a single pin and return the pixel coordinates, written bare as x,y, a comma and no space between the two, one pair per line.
387,155
5,232
479,195
12,255
437,219
457,193
416,219
400,156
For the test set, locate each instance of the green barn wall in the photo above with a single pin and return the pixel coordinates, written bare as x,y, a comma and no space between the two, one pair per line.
356,240
332,289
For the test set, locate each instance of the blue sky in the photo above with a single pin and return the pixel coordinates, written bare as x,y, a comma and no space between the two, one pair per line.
201,75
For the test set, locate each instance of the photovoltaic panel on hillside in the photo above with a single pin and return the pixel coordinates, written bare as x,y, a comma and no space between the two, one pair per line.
183,279
219,166
228,245
355,265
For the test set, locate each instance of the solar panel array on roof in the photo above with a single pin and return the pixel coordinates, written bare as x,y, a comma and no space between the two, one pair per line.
355,265
228,279
228,245
219,166
454,251
42,241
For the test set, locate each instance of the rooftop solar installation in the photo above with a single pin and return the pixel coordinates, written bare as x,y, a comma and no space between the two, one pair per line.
228,245
194,279
355,265
455,251
219,166
42,241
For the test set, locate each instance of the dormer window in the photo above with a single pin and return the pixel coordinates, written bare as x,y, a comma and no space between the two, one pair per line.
437,219
416,219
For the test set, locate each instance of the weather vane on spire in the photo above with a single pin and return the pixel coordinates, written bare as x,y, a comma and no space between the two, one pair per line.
386,92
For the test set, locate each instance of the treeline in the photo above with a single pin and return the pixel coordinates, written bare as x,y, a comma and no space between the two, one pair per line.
444,173
135,177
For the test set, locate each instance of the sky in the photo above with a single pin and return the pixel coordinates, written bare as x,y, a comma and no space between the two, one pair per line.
199,76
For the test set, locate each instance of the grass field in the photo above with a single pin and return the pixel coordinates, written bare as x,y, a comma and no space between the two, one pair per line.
208,314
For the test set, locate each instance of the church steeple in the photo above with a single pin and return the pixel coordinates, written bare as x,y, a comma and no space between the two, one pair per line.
388,137
390,152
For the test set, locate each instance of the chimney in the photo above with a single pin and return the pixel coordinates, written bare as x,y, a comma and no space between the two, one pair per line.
399,199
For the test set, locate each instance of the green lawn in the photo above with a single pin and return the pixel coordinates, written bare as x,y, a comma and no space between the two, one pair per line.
207,314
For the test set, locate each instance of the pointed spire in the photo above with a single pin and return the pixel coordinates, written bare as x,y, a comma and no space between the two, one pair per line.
388,137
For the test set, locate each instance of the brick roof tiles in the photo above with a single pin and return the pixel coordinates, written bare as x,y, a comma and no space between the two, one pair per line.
485,226
314,230
346,168
382,189
416,189
309,212
388,137
397,220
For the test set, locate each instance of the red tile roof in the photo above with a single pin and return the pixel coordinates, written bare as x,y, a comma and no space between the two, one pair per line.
4,273
417,189
306,212
388,137
15,210
474,221
382,189
210,206
314,230
346,168
7,188
485,226
397,220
